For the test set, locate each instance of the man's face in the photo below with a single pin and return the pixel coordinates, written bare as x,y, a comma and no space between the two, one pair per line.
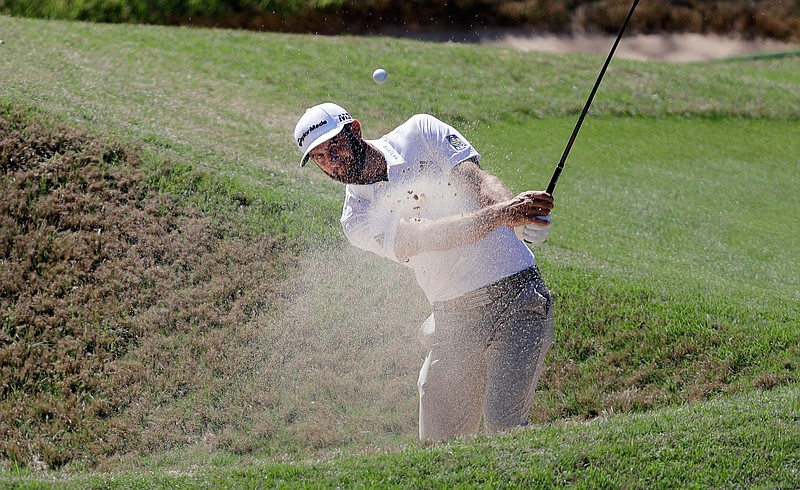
338,157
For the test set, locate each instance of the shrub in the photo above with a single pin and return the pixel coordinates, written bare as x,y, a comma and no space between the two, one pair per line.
748,18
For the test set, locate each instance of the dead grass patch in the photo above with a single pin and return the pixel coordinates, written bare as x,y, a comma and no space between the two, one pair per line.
114,299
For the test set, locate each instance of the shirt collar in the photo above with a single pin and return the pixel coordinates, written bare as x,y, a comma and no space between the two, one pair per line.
394,162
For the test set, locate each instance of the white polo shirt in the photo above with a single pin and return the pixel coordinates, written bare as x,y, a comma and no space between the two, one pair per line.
421,153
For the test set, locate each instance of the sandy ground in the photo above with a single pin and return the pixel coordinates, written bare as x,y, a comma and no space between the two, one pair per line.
678,48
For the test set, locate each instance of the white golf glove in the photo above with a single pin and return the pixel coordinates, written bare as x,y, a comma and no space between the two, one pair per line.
535,235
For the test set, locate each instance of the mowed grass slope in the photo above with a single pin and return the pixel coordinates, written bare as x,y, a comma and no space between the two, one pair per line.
718,444
673,255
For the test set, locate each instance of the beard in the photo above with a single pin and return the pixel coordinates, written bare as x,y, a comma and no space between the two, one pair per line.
354,161
358,160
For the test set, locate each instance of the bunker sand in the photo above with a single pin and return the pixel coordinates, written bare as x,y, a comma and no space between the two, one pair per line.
677,48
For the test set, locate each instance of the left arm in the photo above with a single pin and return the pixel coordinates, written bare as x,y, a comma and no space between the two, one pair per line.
499,208
488,188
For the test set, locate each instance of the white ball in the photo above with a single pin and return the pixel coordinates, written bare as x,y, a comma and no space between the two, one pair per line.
379,75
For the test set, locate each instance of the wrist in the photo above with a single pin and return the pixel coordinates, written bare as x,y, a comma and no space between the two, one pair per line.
494,216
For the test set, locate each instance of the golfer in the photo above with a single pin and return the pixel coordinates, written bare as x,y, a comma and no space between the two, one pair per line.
419,197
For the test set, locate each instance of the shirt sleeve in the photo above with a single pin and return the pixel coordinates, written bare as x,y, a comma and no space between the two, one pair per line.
368,228
445,143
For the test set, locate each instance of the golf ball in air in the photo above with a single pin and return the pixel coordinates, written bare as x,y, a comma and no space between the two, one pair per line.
379,75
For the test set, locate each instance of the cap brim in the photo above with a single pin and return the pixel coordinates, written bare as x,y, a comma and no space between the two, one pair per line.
322,139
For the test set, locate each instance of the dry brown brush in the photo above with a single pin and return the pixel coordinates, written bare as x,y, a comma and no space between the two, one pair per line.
773,19
115,299
776,19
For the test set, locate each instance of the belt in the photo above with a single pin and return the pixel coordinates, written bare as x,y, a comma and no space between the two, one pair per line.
489,294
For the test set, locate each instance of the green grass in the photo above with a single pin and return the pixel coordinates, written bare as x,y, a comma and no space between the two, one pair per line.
680,199
726,443
673,254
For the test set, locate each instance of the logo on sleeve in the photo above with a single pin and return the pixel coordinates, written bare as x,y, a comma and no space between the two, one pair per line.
456,142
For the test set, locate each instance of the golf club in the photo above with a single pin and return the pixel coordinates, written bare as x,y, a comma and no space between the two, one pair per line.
554,179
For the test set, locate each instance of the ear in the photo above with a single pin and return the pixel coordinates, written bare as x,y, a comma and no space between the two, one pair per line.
356,127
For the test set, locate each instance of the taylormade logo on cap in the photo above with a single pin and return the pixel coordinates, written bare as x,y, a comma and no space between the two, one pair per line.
312,128
319,124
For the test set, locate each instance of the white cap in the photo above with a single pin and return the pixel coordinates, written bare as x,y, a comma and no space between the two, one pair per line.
319,124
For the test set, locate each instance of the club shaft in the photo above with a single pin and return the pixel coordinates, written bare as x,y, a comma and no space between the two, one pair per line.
554,179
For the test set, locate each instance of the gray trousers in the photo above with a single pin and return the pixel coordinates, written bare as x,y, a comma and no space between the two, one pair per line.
485,353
